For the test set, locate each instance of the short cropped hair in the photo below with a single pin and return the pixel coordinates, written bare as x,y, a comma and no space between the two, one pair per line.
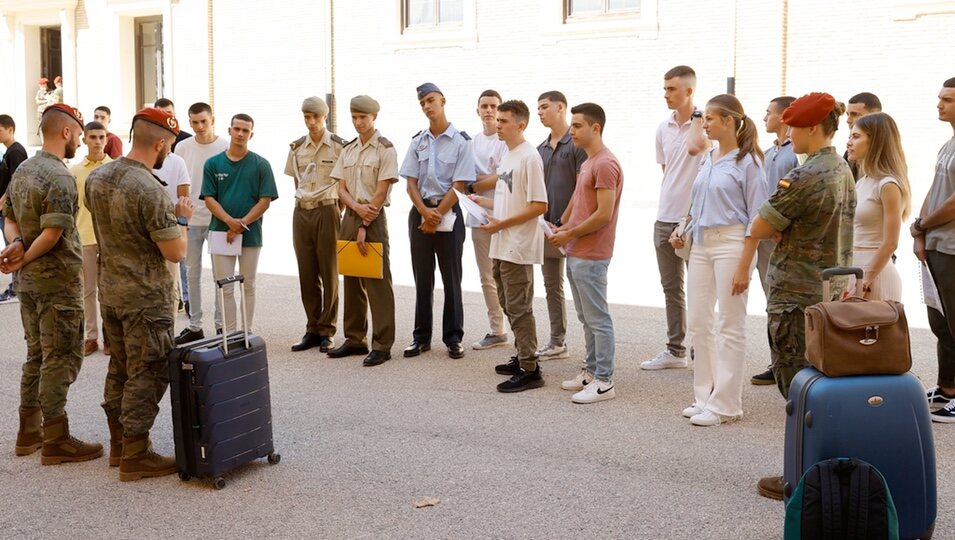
517,108
6,121
593,113
163,103
244,117
93,125
683,72
200,107
868,100
105,109
783,102
949,83
555,96
491,93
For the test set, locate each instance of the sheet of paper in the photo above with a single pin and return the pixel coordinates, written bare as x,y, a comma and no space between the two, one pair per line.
929,292
475,211
447,222
547,232
218,245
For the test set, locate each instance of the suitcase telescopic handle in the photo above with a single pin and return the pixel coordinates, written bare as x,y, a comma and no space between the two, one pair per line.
221,283
238,278
830,273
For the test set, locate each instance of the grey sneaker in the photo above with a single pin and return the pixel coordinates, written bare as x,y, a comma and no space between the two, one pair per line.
552,352
8,297
489,342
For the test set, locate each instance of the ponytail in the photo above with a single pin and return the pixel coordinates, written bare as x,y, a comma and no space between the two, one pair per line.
747,137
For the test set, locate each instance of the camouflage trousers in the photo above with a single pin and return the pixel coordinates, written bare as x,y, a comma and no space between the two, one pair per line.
140,340
787,344
53,330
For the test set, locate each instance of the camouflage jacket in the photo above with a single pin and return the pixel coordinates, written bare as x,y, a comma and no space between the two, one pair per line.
41,195
813,207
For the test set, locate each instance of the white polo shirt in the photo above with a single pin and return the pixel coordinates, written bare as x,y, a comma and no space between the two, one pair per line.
680,169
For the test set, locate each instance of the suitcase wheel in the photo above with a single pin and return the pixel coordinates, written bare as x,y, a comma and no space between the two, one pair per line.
274,458
184,476
218,482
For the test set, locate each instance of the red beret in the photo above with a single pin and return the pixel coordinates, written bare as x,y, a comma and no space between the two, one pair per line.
65,109
809,110
43,80
159,117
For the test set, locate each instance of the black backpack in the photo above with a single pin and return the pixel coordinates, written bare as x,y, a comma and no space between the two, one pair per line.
841,499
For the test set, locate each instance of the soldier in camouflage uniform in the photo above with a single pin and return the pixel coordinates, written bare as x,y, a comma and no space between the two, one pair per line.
137,229
40,212
811,216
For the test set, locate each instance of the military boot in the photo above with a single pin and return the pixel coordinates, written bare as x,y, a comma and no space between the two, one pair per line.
59,446
30,435
139,460
115,443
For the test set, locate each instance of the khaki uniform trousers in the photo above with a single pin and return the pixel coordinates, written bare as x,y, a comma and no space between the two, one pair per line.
362,293
314,237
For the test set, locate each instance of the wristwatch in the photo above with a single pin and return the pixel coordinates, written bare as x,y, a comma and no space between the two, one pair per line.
697,114
470,188
918,225
19,239
182,221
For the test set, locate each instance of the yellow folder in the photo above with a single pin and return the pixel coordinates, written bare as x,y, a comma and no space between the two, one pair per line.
352,263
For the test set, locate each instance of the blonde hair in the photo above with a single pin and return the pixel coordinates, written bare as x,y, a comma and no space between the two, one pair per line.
885,156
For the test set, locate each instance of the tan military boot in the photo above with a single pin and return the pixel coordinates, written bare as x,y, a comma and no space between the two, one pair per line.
115,443
30,435
139,460
60,447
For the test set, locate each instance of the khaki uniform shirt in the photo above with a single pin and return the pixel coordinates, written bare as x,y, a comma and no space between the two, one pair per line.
42,195
315,162
362,166
131,212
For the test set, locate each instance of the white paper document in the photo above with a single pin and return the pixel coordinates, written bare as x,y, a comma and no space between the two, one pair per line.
547,232
447,222
218,245
929,291
474,210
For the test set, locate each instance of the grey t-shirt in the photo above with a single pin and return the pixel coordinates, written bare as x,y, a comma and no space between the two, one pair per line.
779,161
942,238
561,165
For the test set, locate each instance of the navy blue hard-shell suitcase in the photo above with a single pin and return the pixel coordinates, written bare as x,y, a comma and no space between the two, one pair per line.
881,419
221,408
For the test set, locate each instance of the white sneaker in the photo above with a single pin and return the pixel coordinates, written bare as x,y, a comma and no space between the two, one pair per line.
692,411
596,391
664,360
489,341
552,352
710,418
579,382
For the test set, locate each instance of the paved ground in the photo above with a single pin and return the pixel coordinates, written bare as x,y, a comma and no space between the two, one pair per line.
361,445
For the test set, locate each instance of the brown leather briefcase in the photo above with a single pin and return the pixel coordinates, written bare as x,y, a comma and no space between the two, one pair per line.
855,336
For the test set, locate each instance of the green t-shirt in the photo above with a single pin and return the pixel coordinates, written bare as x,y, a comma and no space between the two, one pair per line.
238,186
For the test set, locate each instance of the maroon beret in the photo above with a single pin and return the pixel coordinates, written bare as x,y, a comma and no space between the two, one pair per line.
159,117
65,109
809,110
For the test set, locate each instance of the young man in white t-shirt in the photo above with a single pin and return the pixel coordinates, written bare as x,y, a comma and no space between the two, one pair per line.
195,151
488,150
517,241
680,143
174,174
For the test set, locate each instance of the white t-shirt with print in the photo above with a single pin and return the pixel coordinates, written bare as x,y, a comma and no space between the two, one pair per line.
520,181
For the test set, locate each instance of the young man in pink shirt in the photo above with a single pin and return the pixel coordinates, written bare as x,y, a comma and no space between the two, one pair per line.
587,234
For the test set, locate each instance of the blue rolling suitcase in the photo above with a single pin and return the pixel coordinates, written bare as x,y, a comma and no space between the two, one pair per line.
882,419
221,408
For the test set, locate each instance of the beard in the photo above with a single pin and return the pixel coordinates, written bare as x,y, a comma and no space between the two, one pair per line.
70,151
161,158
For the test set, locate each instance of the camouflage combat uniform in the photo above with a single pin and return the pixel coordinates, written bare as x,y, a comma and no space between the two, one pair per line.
131,211
813,208
42,195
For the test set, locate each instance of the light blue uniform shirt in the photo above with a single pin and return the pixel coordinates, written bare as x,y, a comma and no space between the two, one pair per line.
438,161
779,161
727,193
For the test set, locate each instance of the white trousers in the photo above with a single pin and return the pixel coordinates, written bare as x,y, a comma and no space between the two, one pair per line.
718,337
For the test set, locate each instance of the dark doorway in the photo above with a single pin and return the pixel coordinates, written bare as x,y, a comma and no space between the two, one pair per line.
149,64
51,54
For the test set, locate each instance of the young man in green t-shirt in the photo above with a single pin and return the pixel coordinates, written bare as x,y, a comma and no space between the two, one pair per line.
237,187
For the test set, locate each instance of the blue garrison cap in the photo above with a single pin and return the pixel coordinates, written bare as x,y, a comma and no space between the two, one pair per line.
427,88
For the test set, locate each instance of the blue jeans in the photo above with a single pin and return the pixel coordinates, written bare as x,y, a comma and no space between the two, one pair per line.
588,284
184,280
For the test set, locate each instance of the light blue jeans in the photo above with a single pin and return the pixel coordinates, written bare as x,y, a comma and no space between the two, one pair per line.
197,236
588,284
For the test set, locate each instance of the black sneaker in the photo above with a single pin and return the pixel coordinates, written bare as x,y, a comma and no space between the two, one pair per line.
513,367
523,380
764,378
188,336
946,414
937,398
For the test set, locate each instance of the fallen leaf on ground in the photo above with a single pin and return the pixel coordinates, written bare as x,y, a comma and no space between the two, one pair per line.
427,501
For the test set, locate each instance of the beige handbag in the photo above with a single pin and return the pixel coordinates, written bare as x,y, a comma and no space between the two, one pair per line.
855,336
